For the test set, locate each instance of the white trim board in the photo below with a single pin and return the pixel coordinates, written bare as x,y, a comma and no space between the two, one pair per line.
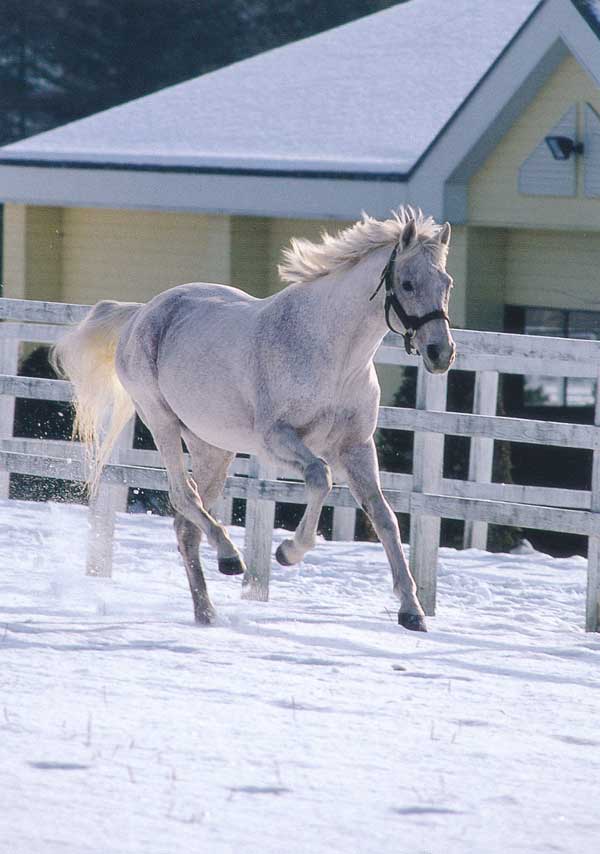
249,195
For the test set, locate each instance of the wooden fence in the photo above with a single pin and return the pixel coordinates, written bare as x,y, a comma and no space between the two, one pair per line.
426,495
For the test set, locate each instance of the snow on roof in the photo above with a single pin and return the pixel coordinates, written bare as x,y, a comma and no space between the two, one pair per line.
369,96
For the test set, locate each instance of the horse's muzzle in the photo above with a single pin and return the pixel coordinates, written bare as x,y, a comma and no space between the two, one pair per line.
438,358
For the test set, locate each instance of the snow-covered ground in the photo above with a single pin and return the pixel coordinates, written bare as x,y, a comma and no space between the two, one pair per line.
311,724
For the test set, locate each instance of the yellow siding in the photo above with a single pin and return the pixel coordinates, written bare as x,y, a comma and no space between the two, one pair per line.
133,255
486,276
457,267
493,193
553,269
281,232
250,254
13,251
32,252
44,239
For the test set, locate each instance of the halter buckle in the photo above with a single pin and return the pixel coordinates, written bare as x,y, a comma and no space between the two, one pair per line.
409,336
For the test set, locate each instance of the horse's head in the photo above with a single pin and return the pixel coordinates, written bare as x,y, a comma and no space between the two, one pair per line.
418,290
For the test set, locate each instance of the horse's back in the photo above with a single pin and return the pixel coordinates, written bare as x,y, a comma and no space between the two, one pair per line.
197,297
200,306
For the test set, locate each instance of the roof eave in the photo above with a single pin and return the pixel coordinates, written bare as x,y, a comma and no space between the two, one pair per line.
333,171
235,191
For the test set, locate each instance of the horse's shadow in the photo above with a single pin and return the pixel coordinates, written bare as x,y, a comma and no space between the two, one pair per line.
439,654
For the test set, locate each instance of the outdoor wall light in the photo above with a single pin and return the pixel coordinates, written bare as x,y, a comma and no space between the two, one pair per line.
562,147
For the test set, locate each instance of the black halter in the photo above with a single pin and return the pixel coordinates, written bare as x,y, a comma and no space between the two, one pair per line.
411,322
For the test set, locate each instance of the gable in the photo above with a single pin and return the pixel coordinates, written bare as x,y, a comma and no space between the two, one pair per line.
505,190
541,174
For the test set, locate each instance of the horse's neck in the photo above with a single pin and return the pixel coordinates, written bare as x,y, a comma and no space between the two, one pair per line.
347,311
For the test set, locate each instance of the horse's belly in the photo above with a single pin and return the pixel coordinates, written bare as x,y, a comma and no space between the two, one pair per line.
228,438
225,422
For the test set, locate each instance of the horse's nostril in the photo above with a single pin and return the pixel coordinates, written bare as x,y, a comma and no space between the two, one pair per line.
433,351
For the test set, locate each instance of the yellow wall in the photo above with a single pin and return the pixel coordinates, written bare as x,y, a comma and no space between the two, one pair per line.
494,198
457,266
486,278
250,254
256,245
32,252
476,262
282,230
553,269
82,255
14,251
133,255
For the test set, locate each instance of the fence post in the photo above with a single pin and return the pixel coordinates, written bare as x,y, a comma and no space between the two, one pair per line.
9,364
223,510
223,507
109,500
592,605
260,519
481,456
344,523
428,461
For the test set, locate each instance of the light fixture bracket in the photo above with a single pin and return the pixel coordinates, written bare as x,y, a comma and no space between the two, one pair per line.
562,147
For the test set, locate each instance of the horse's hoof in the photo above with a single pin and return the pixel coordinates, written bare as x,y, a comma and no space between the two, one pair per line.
205,616
414,622
231,565
280,556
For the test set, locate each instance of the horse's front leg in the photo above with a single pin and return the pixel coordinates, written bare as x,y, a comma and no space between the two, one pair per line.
283,443
360,465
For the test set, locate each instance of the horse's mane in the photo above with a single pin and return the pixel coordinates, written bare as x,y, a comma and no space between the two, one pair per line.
304,261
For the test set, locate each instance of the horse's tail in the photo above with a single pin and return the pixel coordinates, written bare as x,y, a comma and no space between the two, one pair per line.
86,356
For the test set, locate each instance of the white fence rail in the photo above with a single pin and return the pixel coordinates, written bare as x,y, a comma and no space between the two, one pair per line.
425,494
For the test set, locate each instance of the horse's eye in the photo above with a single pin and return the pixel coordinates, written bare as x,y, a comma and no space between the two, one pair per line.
407,286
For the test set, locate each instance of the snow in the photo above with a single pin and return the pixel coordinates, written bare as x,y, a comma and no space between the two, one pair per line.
371,95
312,723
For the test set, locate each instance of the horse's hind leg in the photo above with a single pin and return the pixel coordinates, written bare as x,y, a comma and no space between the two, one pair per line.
166,430
284,444
188,543
209,466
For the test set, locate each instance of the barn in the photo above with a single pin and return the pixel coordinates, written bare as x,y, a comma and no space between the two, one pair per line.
450,110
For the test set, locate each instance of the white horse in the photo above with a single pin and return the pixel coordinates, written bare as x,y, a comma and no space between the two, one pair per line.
289,378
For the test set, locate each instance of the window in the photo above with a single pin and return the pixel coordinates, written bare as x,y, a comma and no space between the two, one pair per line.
559,323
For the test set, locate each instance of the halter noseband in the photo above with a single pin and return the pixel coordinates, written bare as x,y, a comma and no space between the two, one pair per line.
411,322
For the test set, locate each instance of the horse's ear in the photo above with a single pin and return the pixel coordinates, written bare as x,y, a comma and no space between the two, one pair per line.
409,232
445,232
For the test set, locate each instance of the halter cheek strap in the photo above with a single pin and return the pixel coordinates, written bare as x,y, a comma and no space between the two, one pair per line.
411,322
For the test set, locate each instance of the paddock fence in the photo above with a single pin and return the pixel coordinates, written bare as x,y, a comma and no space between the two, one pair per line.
425,494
